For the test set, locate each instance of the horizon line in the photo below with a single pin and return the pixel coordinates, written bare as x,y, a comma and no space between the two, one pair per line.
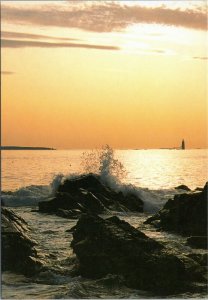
91,148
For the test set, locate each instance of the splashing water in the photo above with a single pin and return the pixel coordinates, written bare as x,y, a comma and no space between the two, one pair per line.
56,182
99,162
112,172
102,162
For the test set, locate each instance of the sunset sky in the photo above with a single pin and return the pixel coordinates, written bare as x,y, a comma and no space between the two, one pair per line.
81,74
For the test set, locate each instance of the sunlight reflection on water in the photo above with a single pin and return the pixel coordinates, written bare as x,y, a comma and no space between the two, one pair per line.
153,169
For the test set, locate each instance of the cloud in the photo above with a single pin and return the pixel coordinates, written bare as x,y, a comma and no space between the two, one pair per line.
21,35
7,72
102,17
200,57
6,43
158,51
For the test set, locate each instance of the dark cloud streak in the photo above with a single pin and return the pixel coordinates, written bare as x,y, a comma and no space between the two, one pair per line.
104,17
6,43
200,57
7,72
21,35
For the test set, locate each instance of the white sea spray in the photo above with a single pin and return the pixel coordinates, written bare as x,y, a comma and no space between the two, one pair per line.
112,173
101,162
57,180
26,196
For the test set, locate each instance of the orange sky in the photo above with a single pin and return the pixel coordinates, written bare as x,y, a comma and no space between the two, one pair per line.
85,74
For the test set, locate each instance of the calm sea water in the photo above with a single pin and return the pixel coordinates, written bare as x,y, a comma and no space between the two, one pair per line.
153,169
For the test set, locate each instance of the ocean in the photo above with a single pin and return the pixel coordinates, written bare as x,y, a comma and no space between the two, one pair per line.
31,176
152,169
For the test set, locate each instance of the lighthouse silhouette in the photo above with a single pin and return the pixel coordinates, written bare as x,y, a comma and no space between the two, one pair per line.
183,145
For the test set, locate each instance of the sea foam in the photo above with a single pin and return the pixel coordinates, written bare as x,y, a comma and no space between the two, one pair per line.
26,196
111,173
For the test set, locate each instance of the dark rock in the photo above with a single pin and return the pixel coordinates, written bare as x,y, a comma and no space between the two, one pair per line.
18,249
183,187
185,214
197,241
89,195
200,258
91,203
52,205
90,182
72,229
111,281
130,201
198,189
113,246
69,214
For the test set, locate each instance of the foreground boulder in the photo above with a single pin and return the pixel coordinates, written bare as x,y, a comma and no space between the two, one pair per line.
87,194
18,250
185,214
113,246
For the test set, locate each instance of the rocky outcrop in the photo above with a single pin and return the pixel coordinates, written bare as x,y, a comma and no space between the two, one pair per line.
200,258
183,187
87,194
198,189
18,249
198,242
185,214
112,246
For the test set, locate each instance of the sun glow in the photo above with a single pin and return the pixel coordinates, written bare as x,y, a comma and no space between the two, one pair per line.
192,4
147,86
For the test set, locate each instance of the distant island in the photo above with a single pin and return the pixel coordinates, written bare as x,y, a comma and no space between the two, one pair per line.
24,148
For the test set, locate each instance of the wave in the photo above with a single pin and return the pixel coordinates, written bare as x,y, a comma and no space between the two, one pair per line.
153,200
31,195
111,173
26,196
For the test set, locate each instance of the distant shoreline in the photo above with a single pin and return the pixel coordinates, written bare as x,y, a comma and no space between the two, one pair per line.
24,148
88,149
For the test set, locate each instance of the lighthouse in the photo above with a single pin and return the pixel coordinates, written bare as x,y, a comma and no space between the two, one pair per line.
183,145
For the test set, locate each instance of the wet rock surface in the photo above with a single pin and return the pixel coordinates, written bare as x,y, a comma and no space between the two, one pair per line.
200,258
87,194
18,249
185,214
112,246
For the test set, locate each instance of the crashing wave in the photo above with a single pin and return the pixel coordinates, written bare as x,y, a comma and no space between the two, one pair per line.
26,196
99,162
112,174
